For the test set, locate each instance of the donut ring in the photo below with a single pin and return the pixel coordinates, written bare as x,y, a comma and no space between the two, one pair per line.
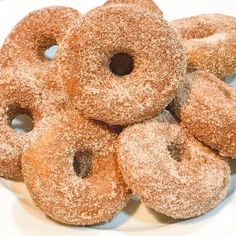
20,96
210,43
149,5
137,94
30,38
211,119
96,193
170,172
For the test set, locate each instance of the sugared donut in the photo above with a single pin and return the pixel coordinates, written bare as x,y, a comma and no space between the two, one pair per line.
127,69
21,94
206,107
210,42
34,34
170,172
72,172
150,5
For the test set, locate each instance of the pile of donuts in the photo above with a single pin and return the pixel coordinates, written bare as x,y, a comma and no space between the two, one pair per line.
129,105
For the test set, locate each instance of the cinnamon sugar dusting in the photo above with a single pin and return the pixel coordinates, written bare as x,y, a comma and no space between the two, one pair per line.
179,189
53,183
206,106
30,38
21,91
149,5
159,64
209,41
119,64
29,81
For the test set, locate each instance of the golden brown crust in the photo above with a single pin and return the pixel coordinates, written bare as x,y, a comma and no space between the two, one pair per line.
206,107
210,42
149,5
159,64
55,187
169,171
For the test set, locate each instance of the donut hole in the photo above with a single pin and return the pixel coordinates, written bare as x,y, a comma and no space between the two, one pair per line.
82,163
20,119
46,47
22,123
231,80
121,64
117,128
50,52
174,151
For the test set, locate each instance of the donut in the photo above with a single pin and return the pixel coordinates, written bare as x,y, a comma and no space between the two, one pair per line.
21,94
169,170
72,172
149,5
127,70
206,107
29,39
210,42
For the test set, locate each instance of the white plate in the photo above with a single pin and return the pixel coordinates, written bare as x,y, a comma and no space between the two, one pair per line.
19,216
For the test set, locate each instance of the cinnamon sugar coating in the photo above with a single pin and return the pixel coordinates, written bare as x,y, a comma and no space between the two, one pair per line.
149,5
53,184
70,162
30,38
21,93
29,83
98,93
206,107
169,170
210,42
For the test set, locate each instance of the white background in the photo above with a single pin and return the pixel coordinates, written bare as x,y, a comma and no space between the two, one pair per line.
18,216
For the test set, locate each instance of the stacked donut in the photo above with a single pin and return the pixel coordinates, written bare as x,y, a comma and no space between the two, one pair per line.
130,104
